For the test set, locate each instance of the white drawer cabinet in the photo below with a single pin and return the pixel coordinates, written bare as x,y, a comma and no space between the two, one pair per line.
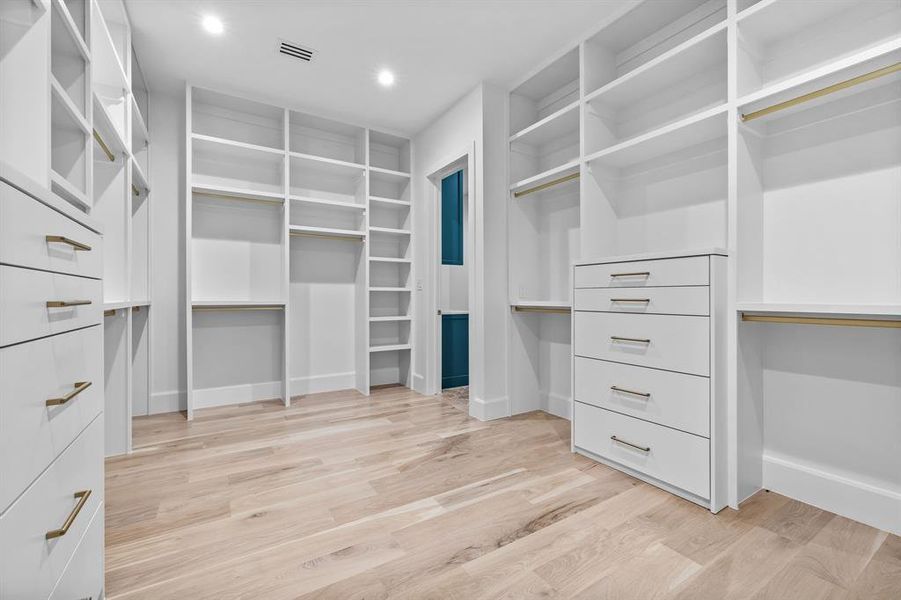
649,369
35,304
674,457
674,343
693,300
42,406
36,236
30,563
673,399
51,396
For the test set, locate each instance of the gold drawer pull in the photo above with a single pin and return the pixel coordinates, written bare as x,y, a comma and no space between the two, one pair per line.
635,274
66,303
641,300
630,444
79,388
628,391
616,338
64,240
82,500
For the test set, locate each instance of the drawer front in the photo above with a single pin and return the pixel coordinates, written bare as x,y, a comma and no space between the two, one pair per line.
30,563
83,579
677,458
645,273
24,294
675,343
667,300
32,433
671,399
25,225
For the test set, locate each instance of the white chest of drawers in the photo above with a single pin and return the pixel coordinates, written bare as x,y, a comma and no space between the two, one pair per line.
51,397
649,369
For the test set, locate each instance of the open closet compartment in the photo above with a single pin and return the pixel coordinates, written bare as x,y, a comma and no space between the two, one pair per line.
110,43
70,102
237,250
390,268
543,233
818,224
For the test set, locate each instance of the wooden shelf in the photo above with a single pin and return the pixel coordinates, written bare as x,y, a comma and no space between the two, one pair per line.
331,203
389,201
542,178
558,124
63,187
697,129
390,231
236,193
390,348
328,232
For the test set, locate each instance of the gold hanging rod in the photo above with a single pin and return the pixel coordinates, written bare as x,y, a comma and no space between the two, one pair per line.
239,198
345,238
836,87
135,190
254,307
834,321
545,186
104,147
541,309
109,312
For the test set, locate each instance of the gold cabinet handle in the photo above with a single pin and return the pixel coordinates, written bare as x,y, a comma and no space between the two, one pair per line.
641,300
628,391
66,303
79,388
61,239
616,338
634,274
82,500
630,444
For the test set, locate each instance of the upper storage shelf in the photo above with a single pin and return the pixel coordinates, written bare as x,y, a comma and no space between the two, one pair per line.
646,32
324,138
547,95
780,39
389,152
228,117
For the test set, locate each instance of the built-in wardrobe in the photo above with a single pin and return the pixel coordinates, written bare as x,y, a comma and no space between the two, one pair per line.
705,249
298,253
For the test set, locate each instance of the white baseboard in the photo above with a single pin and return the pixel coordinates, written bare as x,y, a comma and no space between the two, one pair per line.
168,401
237,394
559,406
315,384
419,383
487,410
872,505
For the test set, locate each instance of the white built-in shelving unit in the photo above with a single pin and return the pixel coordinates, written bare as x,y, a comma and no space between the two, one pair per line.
654,137
298,262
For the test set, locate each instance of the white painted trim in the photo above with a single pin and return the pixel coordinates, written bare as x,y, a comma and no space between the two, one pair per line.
488,410
167,401
419,383
870,504
329,382
237,394
557,405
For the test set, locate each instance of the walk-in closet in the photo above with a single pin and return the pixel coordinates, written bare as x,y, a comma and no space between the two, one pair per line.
384,299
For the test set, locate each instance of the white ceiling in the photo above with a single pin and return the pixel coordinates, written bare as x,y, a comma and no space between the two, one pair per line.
438,50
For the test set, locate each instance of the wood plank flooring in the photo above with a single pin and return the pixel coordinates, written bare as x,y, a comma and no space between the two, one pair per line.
404,496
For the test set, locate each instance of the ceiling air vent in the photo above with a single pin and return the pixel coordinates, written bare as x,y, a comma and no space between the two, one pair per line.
295,51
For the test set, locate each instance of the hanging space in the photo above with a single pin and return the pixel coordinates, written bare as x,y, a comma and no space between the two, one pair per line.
236,251
818,225
544,238
327,279
390,272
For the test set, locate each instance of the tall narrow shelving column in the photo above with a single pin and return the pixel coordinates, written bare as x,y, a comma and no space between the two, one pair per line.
390,269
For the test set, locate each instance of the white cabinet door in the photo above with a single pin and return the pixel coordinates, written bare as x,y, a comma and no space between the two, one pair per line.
694,270
661,301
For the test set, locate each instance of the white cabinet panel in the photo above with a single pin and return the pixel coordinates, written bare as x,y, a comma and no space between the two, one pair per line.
667,300
83,579
645,273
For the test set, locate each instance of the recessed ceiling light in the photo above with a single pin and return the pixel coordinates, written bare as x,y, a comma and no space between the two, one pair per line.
213,25
386,78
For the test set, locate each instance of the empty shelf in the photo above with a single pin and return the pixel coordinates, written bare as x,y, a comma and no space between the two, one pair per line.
63,187
388,259
389,348
331,203
556,125
236,193
388,201
388,174
390,289
389,319
569,168
329,166
390,230
327,232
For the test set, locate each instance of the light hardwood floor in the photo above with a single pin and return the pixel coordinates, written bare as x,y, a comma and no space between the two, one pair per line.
404,496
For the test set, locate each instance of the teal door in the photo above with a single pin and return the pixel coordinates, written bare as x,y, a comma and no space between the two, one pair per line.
454,351
452,219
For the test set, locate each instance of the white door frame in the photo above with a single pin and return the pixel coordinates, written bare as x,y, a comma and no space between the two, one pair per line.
465,159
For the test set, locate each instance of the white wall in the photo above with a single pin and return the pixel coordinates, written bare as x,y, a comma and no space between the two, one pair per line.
167,184
478,120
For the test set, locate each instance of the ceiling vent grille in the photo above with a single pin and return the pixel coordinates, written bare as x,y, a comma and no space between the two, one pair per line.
295,51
